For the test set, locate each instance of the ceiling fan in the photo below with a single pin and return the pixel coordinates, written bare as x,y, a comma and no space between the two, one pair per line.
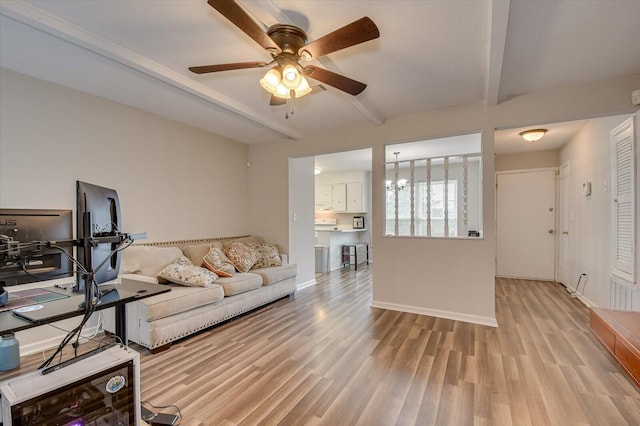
288,47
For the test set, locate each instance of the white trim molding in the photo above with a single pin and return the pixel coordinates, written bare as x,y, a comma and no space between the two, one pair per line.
456,316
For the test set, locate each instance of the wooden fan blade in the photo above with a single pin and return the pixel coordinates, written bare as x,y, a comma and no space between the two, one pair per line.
226,67
338,81
241,19
354,33
276,100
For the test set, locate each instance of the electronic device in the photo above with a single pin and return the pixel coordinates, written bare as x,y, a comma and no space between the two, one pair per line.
25,258
358,222
162,419
103,388
159,419
146,414
97,216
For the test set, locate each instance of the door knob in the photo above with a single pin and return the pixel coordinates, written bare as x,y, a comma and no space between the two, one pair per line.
550,231
565,232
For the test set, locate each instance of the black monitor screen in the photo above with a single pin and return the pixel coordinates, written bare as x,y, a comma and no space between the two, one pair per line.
102,220
32,263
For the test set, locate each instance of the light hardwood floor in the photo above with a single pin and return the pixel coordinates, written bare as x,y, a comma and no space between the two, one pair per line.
327,358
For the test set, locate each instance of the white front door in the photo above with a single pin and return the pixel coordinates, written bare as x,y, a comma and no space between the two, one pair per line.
525,218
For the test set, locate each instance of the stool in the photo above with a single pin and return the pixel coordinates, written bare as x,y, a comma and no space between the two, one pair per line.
351,250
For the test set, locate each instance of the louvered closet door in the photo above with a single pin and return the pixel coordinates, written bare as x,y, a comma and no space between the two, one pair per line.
622,139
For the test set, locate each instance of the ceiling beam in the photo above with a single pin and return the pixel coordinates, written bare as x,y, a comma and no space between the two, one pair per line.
368,110
63,30
497,39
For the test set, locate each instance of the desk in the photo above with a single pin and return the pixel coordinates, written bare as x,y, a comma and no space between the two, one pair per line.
128,291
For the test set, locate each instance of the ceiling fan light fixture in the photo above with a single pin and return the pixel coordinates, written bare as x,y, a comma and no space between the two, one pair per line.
533,135
271,80
291,77
277,86
282,91
303,88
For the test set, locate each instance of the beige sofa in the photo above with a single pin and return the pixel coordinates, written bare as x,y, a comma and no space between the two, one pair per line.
157,321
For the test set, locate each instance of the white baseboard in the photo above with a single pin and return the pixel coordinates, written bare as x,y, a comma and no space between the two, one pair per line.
305,284
586,302
54,341
457,316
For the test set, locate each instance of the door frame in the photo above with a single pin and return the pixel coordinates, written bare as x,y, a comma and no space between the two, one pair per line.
563,207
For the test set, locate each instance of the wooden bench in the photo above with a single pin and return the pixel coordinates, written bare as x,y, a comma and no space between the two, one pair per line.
619,333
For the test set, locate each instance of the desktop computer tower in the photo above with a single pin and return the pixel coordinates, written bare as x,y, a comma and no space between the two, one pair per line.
101,389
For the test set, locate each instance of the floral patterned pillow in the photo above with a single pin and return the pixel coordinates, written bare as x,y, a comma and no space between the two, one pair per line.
241,255
268,253
182,271
217,262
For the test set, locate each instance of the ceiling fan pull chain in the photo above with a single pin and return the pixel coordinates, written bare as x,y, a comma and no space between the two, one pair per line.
292,96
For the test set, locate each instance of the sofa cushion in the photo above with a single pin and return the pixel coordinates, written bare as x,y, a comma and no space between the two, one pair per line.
276,273
240,283
183,272
241,255
146,260
268,255
179,299
218,263
197,252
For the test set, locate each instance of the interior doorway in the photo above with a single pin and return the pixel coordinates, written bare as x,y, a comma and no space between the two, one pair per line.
342,210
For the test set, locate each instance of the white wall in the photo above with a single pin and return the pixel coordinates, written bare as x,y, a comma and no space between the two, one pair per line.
528,160
590,217
174,181
443,277
301,205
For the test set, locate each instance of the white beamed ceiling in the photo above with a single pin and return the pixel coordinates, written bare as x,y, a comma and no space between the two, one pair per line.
431,54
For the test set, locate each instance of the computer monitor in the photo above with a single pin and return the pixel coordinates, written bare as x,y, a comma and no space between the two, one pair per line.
98,215
32,262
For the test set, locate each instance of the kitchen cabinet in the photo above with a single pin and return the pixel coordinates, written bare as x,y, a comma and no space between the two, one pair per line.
339,197
324,196
342,192
355,197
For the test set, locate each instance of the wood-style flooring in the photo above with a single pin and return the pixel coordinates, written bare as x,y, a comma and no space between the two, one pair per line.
326,357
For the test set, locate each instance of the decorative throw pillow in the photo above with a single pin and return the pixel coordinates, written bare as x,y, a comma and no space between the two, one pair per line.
184,272
218,263
241,255
268,255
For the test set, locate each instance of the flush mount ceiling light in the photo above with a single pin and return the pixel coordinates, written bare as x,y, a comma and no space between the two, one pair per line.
533,135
